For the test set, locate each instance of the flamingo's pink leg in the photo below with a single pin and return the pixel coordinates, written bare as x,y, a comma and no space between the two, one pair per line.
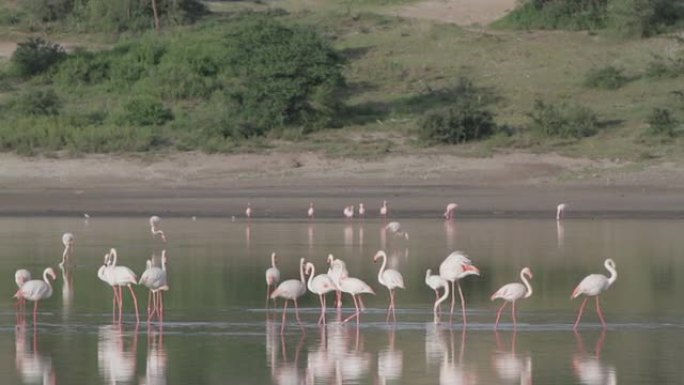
35,311
460,292
579,314
453,298
600,312
498,315
297,311
515,322
135,304
282,325
356,305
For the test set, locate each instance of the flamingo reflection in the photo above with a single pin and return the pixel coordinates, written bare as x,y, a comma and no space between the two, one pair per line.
453,372
511,366
353,365
32,366
435,345
588,368
289,372
67,287
155,371
560,233
116,362
320,361
390,361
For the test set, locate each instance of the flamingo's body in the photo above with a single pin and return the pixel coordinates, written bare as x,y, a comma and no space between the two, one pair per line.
36,290
290,290
389,278
455,267
310,211
21,276
354,287
116,277
321,285
512,292
395,228
450,212
337,271
435,282
348,212
154,228
154,278
248,211
560,211
592,286
384,210
272,276
362,210
68,242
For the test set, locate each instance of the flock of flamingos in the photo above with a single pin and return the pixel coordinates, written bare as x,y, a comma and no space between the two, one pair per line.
454,268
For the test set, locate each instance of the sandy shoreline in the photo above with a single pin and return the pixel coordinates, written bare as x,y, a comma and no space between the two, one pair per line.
280,185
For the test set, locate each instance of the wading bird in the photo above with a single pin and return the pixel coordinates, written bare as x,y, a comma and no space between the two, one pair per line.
450,212
290,290
21,276
354,287
336,271
512,292
321,285
389,278
68,242
36,290
362,210
248,210
384,210
154,278
118,276
272,277
310,211
592,286
348,212
395,228
154,228
435,282
455,267
560,211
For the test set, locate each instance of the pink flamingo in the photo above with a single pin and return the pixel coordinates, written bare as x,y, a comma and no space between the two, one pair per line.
36,290
321,285
560,211
154,278
68,241
450,212
455,267
310,211
337,271
154,228
362,210
248,210
272,276
389,278
118,276
592,286
21,276
290,290
348,212
512,292
395,228
354,287
384,210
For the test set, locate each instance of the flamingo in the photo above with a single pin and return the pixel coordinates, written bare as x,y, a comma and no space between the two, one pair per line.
337,271
310,211
592,286
512,292
354,287
450,212
68,241
272,276
21,276
118,276
290,290
36,290
438,301
154,228
348,212
560,211
384,210
455,267
435,282
362,210
154,278
321,285
389,278
248,210
395,228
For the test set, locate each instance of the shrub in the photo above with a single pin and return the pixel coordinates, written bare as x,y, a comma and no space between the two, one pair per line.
609,78
557,14
660,66
662,122
145,111
563,121
37,102
464,122
36,55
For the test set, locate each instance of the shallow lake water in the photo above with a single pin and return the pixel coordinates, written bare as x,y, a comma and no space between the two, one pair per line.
216,329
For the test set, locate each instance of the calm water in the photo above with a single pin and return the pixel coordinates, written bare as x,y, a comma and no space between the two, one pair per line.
216,328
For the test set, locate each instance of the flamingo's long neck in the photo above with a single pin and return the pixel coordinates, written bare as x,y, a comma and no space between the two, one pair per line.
382,267
301,271
523,278
273,263
613,273
47,281
112,252
311,275
442,298
67,248
427,275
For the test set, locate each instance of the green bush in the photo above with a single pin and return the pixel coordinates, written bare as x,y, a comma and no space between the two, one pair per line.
662,122
665,67
37,102
145,111
461,123
563,121
609,78
557,14
36,55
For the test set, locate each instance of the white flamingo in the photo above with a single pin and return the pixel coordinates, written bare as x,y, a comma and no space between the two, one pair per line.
435,282
389,278
348,212
321,285
118,276
592,286
154,228
337,270
310,211
455,267
395,228
354,287
290,290
362,210
560,211
450,212
21,276
512,292
154,278
384,210
248,210
439,300
68,242
272,276
36,290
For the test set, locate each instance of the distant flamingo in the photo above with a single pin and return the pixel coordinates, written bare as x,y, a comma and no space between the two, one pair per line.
272,276
395,228
154,228
154,278
337,271
362,210
118,276
439,300
310,211
348,212
36,290
68,241
455,267
384,210
354,287
389,278
592,286
512,292
248,210
560,211
435,282
21,276
290,290
450,212
321,285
